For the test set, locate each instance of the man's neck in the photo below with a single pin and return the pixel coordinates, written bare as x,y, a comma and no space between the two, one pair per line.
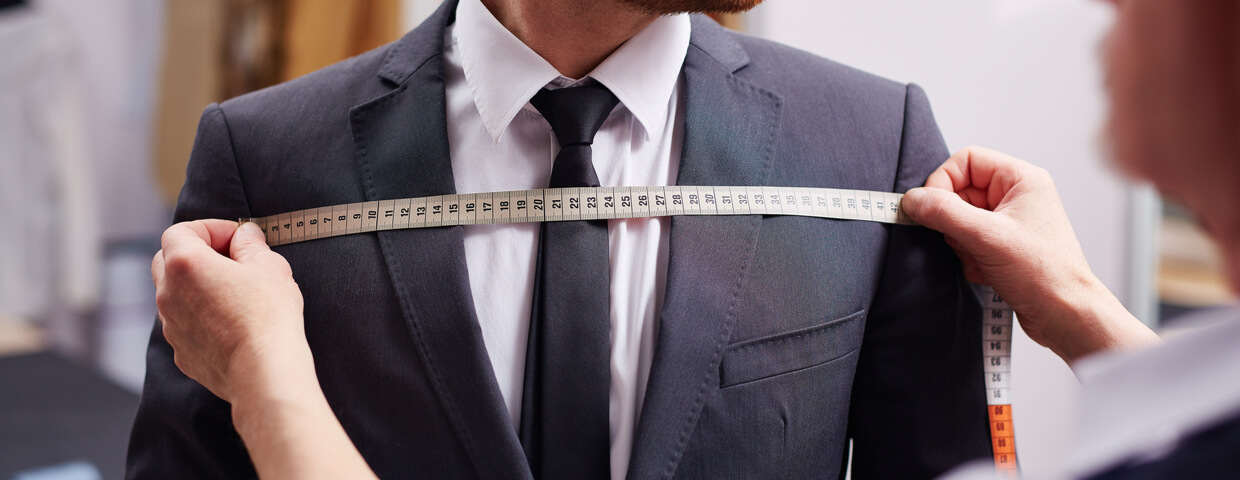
574,36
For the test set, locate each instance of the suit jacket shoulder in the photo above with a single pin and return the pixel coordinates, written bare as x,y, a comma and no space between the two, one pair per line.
792,69
331,90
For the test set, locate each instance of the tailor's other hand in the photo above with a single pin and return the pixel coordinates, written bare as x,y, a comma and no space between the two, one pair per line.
1007,224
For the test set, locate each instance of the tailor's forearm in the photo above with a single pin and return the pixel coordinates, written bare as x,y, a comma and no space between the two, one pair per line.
1099,322
288,427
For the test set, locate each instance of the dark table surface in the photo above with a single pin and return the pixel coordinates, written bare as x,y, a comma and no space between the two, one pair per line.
54,411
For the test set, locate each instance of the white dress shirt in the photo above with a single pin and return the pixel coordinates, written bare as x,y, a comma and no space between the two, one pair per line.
498,142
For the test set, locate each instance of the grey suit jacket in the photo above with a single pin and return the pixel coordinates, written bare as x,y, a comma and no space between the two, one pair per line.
781,338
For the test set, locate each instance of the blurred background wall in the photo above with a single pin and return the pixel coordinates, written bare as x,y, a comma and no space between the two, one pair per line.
101,98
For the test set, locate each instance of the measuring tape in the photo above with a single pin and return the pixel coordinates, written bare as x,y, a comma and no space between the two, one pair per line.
997,319
601,203
587,203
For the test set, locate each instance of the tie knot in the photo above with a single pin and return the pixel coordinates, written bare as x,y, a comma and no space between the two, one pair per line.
575,113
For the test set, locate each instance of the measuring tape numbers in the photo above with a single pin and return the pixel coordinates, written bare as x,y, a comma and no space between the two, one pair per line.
997,319
586,203
601,203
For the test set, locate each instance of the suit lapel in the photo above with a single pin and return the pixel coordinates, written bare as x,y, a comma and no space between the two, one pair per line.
401,144
730,126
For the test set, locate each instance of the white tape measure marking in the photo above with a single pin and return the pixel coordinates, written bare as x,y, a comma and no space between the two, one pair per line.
600,203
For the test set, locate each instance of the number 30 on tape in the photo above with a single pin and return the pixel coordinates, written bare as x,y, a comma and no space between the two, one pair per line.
598,203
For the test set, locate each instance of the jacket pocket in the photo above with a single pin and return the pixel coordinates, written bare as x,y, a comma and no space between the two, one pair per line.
766,357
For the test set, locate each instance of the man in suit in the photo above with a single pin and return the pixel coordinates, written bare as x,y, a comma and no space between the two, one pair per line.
740,347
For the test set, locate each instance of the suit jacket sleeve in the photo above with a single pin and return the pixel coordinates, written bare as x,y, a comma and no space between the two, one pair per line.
182,430
918,402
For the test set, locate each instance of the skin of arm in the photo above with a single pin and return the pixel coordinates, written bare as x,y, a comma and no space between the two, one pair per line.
263,368
1005,221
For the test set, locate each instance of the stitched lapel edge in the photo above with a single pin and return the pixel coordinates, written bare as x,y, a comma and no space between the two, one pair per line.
401,147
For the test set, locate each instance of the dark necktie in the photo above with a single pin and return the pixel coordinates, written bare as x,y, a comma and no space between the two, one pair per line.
565,422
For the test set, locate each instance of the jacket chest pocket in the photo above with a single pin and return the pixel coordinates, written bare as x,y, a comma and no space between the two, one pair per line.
788,352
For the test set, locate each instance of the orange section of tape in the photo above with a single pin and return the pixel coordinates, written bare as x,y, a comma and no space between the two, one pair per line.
1003,440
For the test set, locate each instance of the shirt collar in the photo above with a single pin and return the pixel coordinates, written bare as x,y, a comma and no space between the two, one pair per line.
503,73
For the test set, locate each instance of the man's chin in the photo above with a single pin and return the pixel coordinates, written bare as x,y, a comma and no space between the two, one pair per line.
671,7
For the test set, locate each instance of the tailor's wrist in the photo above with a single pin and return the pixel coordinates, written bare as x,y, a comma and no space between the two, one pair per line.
282,382
268,375
1091,319
1067,321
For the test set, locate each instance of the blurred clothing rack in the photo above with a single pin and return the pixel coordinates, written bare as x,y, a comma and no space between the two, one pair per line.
219,49
50,246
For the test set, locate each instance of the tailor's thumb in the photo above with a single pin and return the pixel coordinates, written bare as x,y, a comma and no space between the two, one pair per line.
248,244
946,212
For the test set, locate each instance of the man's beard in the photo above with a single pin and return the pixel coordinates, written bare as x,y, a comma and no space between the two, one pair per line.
669,7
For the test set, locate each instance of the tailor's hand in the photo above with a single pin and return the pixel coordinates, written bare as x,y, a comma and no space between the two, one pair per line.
230,308
233,315
1004,218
